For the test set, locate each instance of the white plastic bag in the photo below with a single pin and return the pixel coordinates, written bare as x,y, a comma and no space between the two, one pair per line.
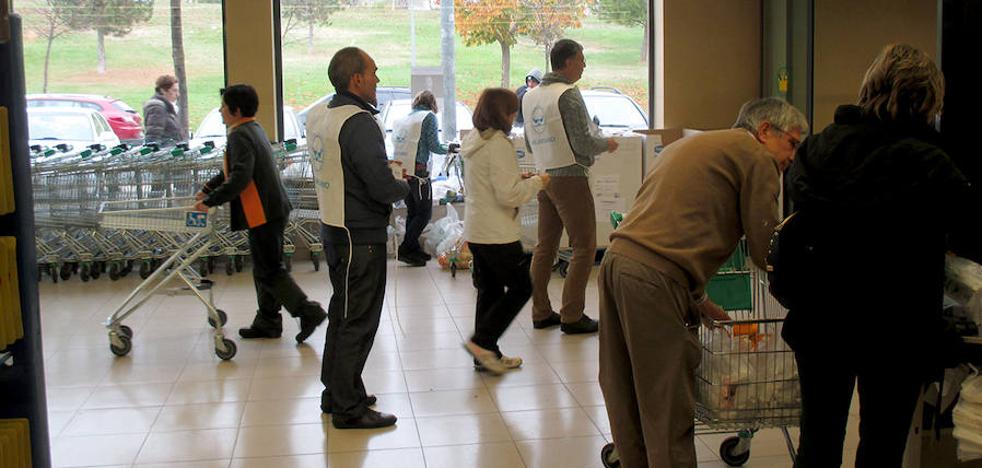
396,232
440,230
967,417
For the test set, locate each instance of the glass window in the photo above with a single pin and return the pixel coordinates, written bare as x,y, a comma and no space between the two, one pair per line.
405,35
118,81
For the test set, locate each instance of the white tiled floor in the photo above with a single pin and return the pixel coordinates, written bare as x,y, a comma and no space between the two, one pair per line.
172,403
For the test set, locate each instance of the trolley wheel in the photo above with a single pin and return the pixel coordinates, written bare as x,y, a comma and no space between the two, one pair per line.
726,452
96,272
85,272
145,269
53,270
114,272
126,331
238,263
222,319
563,268
124,349
453,269
315,258
288,263
203,268
211,265
229,267
229,352
609,457
66,271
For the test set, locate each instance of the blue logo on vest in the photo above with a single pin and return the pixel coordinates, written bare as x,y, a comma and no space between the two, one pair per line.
538,119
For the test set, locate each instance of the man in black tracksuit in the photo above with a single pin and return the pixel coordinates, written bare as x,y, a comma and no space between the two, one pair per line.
353,229
251,182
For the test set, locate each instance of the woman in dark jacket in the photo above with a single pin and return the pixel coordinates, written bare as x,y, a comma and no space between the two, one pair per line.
160,115
878,196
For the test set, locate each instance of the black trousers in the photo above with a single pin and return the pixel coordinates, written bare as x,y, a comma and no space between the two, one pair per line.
358,277
419,210
275,287
888,396
501,275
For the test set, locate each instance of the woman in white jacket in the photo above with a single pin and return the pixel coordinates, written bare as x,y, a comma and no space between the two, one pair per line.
495,191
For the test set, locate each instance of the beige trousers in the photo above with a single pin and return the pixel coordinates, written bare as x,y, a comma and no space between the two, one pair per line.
648,356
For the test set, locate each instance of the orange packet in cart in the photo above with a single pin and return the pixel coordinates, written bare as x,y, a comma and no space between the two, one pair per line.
751,331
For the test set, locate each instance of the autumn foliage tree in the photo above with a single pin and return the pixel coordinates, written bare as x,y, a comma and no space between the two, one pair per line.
481,22
546,21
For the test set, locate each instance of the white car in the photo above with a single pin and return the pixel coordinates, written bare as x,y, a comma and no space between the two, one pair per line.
75,127
213,129
398,108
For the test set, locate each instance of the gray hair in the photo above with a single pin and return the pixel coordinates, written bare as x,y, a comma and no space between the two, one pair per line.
776,111
345,63
563,50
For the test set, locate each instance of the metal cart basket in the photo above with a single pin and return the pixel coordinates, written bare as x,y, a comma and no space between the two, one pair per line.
175,221
748,378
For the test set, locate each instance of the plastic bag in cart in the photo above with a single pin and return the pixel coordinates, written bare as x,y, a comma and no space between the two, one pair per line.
967,417
746,371
437,232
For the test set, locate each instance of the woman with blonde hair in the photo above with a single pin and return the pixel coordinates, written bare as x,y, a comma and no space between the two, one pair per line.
495,191
876,196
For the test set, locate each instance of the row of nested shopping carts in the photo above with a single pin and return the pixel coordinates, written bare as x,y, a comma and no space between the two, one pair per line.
109,211
69,187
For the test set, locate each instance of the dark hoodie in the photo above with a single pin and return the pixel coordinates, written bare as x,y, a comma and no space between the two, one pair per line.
881,198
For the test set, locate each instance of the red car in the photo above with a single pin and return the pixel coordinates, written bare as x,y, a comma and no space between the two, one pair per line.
123,119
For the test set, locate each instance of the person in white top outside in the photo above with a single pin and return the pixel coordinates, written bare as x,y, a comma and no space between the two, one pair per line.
495,191
564,142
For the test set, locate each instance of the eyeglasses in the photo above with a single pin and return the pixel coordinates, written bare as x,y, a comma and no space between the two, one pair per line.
795,143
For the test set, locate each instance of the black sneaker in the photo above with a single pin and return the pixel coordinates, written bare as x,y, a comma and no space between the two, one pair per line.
263,327
551,321
583,325
309,322
411,260
370,420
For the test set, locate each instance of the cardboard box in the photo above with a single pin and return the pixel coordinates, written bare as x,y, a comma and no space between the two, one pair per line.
655,140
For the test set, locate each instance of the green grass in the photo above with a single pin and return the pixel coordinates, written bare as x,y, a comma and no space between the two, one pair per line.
135,60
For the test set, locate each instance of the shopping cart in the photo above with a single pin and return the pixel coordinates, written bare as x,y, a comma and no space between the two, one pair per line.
177,217
748,378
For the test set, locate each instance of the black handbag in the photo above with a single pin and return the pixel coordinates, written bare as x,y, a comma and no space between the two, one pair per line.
791,259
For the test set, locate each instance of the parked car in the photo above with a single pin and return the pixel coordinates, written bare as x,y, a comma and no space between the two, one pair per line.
382,94
76,127
123,119
399,108
213,129
611,110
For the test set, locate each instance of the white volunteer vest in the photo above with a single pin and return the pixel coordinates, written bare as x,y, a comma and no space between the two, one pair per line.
323,134
544,129
406,133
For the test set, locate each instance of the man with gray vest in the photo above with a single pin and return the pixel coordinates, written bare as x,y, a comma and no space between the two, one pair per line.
564,143
355,191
